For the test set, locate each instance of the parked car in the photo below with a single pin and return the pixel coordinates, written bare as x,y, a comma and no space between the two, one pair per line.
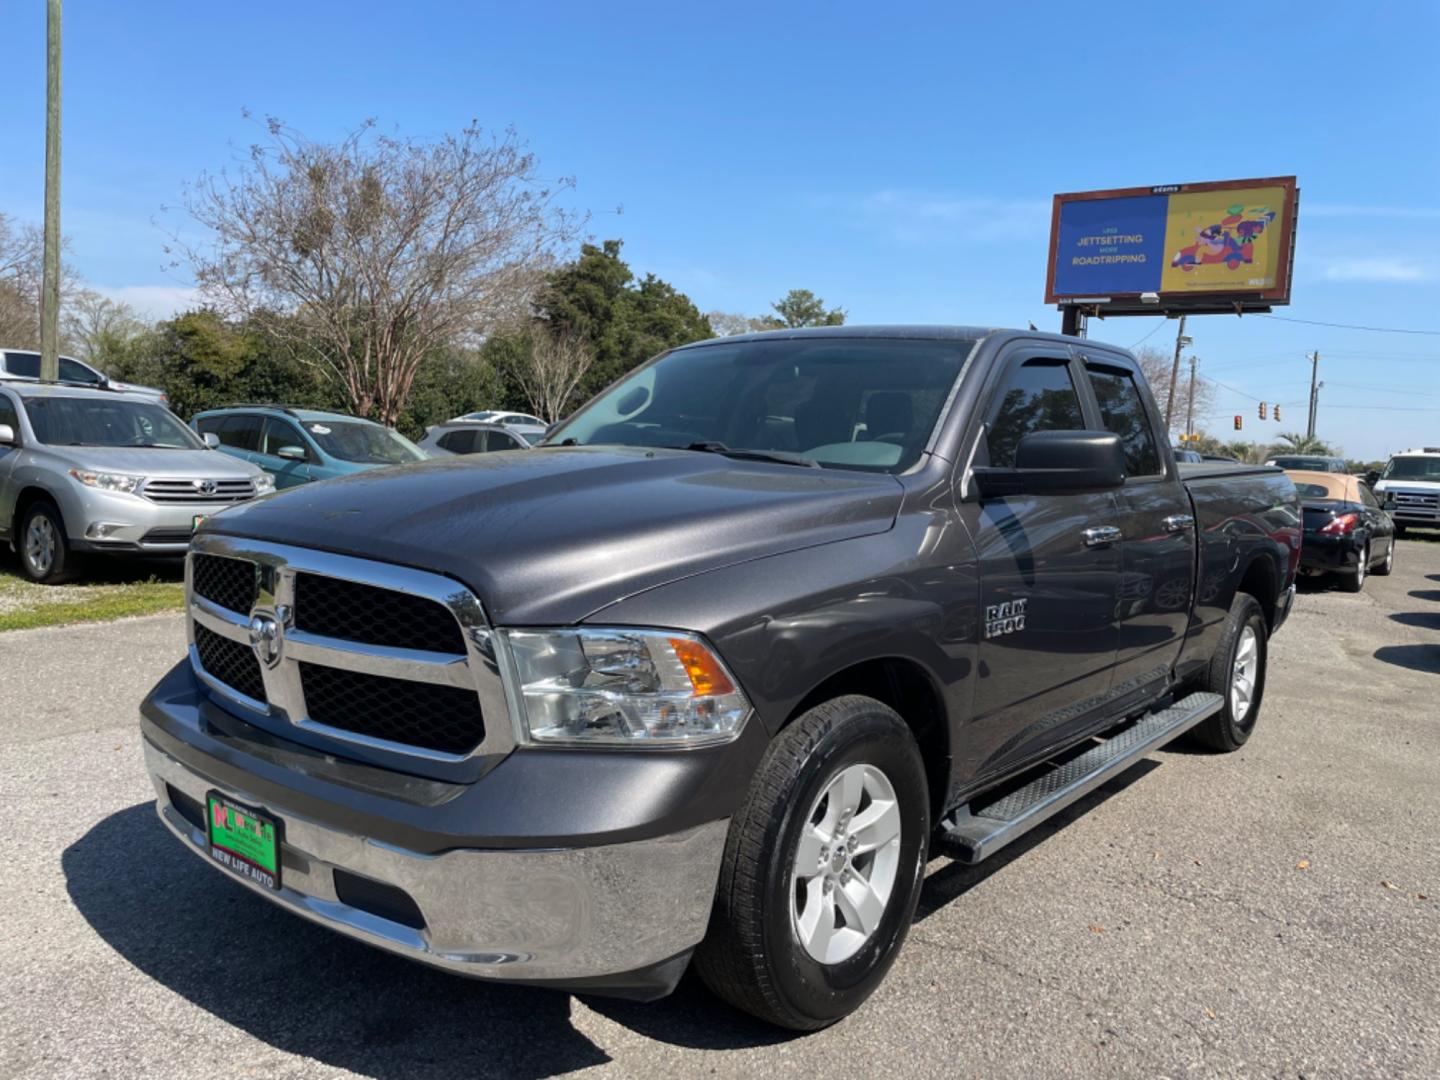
91,471
1187,456
1347,530
706,673
1220,457
473,437
25,364
1413,478
499,416
1308,463
297,445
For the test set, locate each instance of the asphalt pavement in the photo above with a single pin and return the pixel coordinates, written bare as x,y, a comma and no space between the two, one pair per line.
1274,912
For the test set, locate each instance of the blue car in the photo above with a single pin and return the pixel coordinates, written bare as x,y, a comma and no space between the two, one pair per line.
296,445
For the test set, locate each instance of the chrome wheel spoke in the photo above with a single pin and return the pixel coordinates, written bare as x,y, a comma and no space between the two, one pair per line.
861,905
808,859
816,924
877,826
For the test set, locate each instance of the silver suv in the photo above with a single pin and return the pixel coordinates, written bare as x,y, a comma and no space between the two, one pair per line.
86,470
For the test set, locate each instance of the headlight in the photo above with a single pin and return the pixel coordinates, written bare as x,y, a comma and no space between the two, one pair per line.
264,484
623,687
108,481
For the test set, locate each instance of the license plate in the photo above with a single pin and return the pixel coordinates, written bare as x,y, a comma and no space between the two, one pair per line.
244,841
195,521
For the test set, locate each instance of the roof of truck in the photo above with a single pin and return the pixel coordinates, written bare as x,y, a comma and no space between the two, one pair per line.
918,332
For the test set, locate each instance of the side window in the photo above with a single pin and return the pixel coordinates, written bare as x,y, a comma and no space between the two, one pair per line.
1123,412
1366,495
209,425
241,432
24,364
1037,395
500,440
458,442
279,433
74,371
8,416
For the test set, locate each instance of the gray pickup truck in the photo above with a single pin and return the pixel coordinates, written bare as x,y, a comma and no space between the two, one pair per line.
708,675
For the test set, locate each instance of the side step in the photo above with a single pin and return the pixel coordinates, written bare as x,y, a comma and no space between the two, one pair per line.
974,833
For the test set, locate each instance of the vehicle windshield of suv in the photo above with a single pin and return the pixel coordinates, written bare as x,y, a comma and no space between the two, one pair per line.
363,443
95,421
1309,464
1412,468
847,403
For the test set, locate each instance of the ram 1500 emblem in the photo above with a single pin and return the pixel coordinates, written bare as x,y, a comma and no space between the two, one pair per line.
1005,618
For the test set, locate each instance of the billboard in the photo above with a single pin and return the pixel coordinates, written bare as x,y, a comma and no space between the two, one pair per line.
1223,246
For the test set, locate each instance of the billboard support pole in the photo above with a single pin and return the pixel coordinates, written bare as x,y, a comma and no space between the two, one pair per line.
1072,320
1174,375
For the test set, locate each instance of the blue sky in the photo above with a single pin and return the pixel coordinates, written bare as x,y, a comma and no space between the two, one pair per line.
896,159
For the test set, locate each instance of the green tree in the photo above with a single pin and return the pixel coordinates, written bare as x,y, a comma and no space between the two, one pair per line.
596,299
801,307
1294,443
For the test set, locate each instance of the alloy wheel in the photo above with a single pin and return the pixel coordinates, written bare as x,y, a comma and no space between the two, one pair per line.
40,545
845,864
1247,668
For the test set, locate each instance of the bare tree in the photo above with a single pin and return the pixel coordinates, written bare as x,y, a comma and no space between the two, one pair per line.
21,249
728,324
99,329
550,370
380,248
1158,367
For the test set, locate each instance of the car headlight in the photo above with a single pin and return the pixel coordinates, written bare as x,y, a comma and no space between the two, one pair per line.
624,687
264,484
108,481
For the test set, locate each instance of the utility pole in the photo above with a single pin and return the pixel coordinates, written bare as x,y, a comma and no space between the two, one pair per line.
1314,359
50,284
1180,342
1190,408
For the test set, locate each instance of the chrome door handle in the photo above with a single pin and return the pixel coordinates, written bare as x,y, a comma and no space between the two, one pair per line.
1178,523
1100,535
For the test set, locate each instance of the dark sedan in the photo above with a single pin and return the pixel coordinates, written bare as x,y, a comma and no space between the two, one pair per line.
1347,531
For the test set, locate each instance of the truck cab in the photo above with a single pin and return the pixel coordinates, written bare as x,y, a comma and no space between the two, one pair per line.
1412,479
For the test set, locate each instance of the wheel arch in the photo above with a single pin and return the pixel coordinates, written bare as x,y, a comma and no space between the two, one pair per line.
1261,579
912,691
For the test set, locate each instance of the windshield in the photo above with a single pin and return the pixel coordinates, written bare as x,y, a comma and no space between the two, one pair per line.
847,403
94,421
363,443
1412,468
1312,464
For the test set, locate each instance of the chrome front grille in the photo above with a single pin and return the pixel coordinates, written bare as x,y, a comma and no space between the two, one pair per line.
1418,500
368,653
200,490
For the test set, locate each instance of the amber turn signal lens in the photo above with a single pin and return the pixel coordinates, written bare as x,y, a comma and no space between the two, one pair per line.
706,674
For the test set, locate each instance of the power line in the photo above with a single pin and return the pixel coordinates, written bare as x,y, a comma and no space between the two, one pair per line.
1385,408
1351,326
1162,322
1385,389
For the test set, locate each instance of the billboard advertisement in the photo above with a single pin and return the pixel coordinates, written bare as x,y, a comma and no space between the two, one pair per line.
1215,246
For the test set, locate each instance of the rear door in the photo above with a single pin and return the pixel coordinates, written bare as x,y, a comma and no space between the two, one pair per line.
495,439
1157,528
239,435
1048,630
459,442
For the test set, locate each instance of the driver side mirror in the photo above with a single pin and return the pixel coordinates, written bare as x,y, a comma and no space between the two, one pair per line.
1057,463
7,435
291,453
211,440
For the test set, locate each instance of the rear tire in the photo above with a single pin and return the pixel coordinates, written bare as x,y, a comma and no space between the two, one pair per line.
45,556
1386,567
811,909
1356,581
1236,673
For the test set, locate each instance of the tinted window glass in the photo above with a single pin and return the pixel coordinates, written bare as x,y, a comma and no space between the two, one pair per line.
73,371
1368,498
94,421
1035,396
241,432
7,415
458,442
810,396
1123,413
23,363
499,440
279,433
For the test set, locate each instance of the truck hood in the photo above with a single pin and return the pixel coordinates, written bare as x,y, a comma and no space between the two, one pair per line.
545,537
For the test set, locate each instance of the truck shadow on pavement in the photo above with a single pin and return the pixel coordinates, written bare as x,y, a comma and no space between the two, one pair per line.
306,990
1415,657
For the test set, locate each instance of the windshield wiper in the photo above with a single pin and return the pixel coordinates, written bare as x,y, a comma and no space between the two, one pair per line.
779,456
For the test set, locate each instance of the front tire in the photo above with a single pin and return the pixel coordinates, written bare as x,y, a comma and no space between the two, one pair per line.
822,868
1236,673
45,556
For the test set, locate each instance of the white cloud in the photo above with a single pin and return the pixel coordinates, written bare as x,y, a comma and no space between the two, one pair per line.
1380,270
152,301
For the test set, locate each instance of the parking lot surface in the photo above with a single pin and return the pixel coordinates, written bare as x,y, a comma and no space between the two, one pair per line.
1275,912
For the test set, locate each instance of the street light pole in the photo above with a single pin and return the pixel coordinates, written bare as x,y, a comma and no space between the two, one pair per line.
50,281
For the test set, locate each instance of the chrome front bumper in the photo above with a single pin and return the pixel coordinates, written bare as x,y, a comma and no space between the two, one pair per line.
562,916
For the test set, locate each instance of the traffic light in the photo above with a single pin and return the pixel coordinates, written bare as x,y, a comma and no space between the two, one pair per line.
1238,422
1277,414
1262,410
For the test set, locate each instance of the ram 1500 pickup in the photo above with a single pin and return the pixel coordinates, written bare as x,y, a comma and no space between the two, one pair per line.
707,676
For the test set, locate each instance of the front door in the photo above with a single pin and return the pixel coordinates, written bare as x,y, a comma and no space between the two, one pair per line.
284,454
1048,630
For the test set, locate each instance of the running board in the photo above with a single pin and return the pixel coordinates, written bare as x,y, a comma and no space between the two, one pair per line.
975,833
